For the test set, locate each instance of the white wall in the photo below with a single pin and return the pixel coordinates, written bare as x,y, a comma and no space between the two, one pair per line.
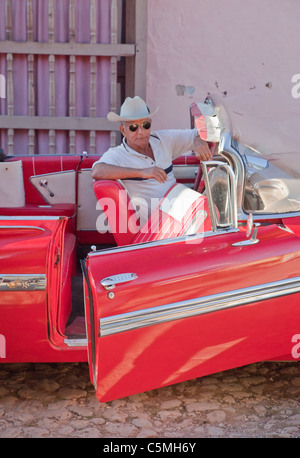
247,52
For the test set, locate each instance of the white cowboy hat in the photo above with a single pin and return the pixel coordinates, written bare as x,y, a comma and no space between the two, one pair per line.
132,109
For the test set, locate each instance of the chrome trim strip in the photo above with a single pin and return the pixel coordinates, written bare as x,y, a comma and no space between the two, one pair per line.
21,282
182,239
269,216
36,228
76,342
29,218
58,172
198,306
235,161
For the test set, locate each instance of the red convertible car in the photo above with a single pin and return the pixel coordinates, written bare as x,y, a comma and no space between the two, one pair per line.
210,283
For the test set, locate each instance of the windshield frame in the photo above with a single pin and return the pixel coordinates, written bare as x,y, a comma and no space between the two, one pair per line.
231,148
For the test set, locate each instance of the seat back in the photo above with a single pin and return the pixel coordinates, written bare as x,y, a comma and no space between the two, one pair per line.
121,215
182,211
12,192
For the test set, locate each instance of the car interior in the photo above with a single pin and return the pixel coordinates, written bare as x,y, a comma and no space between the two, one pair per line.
46,186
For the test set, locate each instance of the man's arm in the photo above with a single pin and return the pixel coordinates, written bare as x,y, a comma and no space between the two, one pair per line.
102,171
179,141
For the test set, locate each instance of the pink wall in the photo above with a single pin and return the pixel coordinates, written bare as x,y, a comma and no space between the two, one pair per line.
247,52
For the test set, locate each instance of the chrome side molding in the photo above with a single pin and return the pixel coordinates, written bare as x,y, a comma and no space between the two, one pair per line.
20,282
198,306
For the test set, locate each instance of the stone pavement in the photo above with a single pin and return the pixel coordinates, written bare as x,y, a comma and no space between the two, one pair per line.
58,401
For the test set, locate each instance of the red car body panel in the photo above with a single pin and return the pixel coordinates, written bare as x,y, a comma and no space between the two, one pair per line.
30,247
157,355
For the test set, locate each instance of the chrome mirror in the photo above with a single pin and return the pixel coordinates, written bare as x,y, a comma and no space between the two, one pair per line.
253,240
249,225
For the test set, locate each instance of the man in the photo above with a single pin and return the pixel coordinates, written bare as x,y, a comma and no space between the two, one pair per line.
144,160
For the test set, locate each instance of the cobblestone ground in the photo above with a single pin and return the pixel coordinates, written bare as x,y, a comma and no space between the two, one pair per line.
58,401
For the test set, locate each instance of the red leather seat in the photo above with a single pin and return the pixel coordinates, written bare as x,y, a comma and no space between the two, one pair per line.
119,211
182,211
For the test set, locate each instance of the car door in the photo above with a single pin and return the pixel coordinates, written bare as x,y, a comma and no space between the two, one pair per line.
31,250
163,312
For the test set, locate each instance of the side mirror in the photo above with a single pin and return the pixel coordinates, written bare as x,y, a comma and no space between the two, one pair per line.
205,119
253,240
249,225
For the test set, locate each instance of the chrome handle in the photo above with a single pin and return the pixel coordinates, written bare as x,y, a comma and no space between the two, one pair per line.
109,283
44,184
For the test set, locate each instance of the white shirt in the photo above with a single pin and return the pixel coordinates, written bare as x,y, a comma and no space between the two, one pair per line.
166,146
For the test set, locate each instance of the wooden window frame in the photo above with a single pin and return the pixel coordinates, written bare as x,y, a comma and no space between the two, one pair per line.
136,17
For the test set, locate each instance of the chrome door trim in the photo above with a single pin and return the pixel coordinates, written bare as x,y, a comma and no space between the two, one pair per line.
35,228
198,306
181,239
22,282
29,218
80,342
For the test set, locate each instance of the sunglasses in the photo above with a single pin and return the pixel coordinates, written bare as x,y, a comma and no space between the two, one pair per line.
134,127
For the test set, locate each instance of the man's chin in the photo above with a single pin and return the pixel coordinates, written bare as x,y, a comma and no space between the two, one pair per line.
142,144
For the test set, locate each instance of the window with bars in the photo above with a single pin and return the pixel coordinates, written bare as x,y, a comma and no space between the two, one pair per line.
66,63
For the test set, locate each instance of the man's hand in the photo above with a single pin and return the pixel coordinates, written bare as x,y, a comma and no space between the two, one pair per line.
201,150
154,172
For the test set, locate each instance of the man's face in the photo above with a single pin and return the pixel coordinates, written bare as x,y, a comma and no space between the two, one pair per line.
137,134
